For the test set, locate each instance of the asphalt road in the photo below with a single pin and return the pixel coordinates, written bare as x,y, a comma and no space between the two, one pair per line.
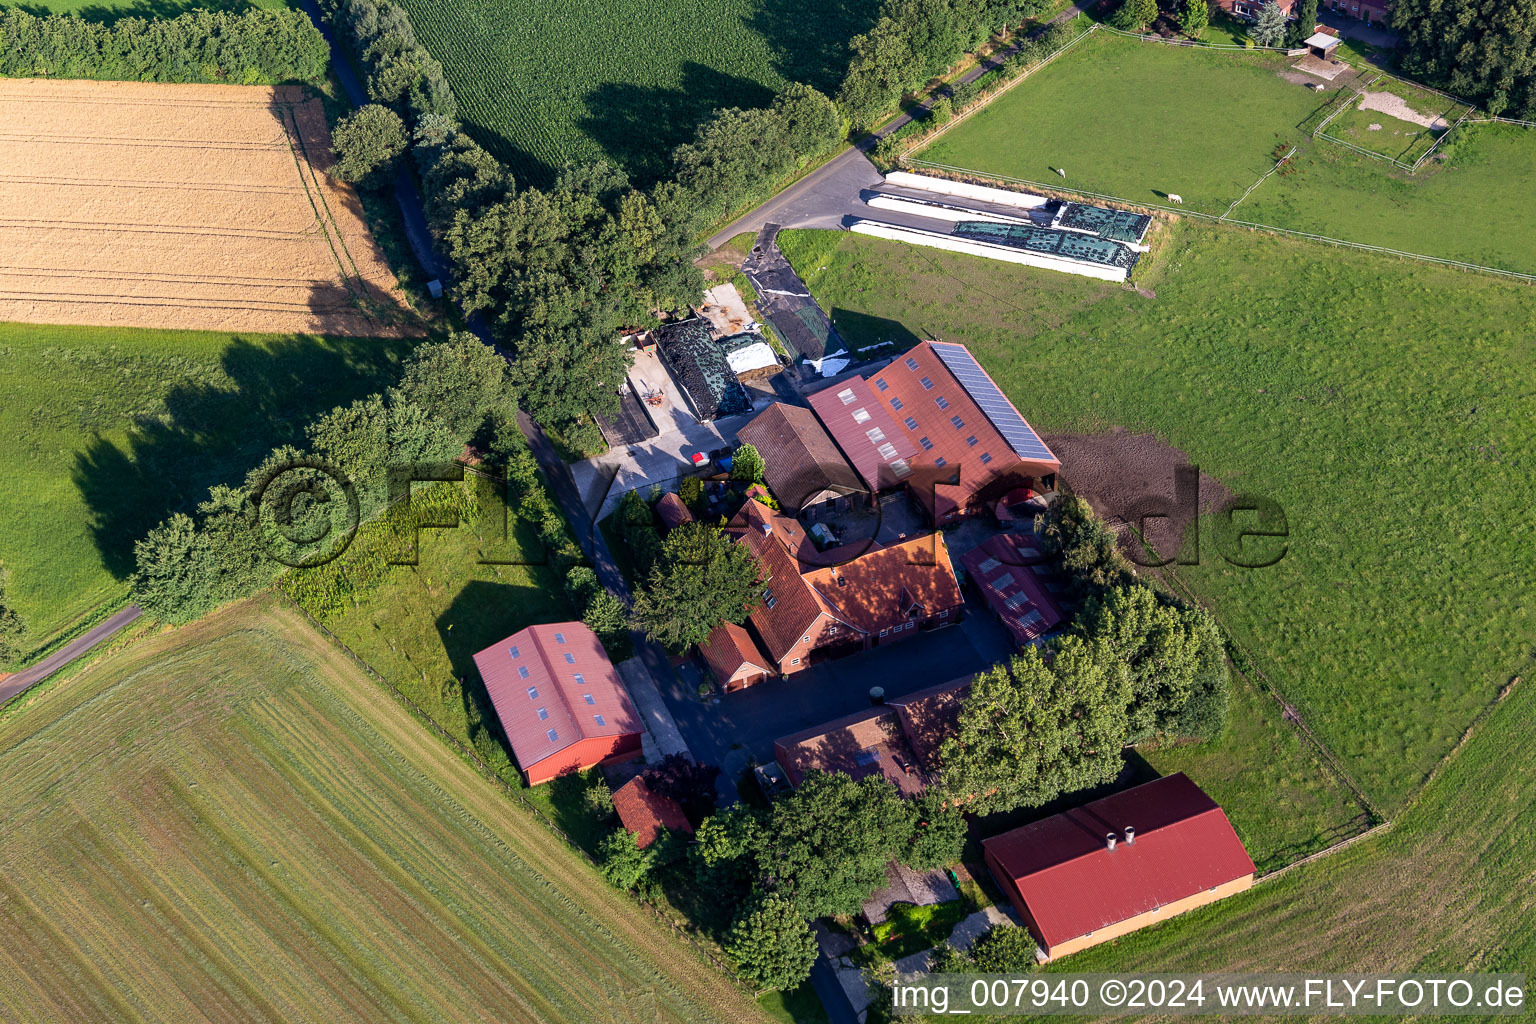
829,195
29,677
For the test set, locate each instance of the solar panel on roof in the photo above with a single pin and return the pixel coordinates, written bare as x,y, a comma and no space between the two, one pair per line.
1021,437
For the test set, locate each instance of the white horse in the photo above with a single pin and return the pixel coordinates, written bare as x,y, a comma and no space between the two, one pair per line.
1175,199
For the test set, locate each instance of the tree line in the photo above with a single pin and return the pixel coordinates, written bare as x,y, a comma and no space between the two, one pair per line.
249,47
450,393
1483,50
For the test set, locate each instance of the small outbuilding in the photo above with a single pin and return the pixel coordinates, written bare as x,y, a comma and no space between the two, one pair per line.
646,812
672,512
1321,45
734,658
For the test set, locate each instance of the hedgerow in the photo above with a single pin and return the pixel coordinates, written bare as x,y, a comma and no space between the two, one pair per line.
250,48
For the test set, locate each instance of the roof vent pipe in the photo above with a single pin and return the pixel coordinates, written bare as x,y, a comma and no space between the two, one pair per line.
1130,835
1109,840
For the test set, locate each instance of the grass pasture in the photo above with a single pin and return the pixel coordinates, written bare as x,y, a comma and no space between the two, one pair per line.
109,430
1127,119
1447,889
1139,120
265,835
546,82
420,625
1385,404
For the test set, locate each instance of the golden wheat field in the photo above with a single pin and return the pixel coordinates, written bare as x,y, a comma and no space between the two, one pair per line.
231,823
125,204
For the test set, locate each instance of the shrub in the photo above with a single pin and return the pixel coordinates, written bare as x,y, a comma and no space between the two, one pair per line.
621,860
747,465
1004,950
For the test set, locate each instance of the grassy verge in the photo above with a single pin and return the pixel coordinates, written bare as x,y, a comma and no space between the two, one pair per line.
419,626
109,430
265,834
797,1006
1380,402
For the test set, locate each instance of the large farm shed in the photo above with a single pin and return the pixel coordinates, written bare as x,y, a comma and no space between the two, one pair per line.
1118,864
959,437
559,700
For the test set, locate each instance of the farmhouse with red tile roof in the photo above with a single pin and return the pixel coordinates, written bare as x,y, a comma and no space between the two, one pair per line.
1112,866
560,700
646,812
810,603
936,421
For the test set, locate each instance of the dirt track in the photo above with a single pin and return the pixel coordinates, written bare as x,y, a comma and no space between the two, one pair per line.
185,206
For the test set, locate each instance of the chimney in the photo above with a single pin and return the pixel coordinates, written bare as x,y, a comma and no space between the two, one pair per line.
767,528
1130,835
876,695
1109,841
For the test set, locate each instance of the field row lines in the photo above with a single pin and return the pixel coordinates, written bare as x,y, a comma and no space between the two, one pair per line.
1252,225
179,186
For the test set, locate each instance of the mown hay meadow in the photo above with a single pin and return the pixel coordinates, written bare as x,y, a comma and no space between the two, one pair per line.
264,834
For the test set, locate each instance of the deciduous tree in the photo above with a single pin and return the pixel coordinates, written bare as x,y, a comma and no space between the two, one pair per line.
368,141
702,579
771,943
826,845
1030,731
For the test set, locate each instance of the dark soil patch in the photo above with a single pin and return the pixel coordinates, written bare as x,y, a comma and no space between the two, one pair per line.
1127,476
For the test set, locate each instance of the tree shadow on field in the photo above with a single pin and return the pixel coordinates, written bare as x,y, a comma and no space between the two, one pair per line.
810,38
639,126
216,430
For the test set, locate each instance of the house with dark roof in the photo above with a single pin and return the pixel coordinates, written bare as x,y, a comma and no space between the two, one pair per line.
698,364
936,422
898,740
672,512
1249,10
1016,578
840,601
802,464
1118,864
646,812
560,700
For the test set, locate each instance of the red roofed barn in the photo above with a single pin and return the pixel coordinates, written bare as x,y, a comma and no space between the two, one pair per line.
1118,864
645,812
936,421
559,700
1010,570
